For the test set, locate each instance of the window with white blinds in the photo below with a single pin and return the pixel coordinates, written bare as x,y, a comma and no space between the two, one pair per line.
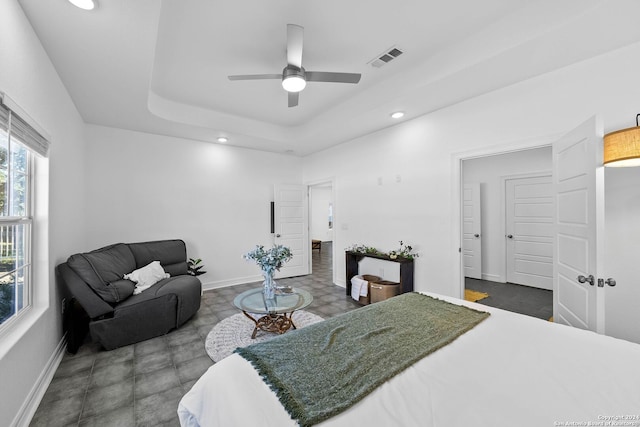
18,143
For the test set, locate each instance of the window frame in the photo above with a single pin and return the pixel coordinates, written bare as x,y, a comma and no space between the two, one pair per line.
27,220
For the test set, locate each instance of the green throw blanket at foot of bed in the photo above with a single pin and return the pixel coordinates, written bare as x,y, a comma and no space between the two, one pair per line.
321,370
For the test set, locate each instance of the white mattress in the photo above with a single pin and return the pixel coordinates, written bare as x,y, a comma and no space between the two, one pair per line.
510,370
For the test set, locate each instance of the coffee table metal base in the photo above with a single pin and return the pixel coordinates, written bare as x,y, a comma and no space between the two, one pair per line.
278,323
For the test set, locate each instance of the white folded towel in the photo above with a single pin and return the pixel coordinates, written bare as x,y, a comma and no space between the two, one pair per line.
359,287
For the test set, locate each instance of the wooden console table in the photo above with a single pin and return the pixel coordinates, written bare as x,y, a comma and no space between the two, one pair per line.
406,269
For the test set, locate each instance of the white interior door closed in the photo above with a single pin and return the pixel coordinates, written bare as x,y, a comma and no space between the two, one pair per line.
578,179
472,231
529,231
292,227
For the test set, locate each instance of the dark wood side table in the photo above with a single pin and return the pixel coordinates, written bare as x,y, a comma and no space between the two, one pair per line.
406,269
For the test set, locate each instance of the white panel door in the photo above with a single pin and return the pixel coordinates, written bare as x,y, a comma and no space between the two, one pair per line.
472,231
579,196
292,227
530,231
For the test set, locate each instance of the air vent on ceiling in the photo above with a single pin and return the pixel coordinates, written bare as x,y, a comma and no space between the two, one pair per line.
385,57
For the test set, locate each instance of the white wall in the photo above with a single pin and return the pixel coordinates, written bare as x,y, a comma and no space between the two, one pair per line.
214,197
622,247
419,209
320,197
28,77
489,171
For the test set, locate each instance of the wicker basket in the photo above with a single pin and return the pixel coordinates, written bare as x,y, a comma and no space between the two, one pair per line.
381,290
364,300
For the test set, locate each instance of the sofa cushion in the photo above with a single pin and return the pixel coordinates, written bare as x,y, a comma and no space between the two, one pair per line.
186,289
172,254
122,289
104,269
138,318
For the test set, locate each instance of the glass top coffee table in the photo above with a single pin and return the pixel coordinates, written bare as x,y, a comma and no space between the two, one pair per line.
276,312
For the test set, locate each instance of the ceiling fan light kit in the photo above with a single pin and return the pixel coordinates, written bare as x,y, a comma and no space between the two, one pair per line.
84,4
293,79
294,76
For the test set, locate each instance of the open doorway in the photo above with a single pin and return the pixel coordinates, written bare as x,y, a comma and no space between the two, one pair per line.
507,231
321,222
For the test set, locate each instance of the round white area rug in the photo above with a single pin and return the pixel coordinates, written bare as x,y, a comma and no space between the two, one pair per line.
235,331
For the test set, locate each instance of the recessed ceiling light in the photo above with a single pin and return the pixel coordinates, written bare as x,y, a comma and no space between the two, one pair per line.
84,4
223,139
397,115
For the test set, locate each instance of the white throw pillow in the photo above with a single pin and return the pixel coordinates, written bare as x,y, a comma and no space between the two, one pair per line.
147,276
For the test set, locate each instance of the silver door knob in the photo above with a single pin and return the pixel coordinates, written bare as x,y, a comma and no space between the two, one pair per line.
476,235
589,279
509,236
610,282
277,235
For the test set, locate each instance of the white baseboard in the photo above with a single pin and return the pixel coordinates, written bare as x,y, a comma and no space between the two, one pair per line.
28,409
231,282
493,278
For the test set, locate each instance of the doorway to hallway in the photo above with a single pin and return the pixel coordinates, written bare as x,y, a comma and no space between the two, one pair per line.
322,261
513,230
321,208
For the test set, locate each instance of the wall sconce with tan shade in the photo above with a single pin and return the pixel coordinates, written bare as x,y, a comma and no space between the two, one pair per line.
622,147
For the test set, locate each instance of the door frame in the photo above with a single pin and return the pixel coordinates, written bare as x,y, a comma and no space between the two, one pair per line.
457,189
313,183
503,210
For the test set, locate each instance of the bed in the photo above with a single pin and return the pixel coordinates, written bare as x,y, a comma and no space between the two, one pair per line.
507,370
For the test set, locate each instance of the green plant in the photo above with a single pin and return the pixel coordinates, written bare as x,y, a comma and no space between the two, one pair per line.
194,267
405,251
269,260
7,301
362,249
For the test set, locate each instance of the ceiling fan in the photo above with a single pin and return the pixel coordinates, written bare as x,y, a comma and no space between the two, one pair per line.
294,76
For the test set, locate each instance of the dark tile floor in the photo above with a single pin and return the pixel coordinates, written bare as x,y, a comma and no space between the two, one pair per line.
517,298
141,384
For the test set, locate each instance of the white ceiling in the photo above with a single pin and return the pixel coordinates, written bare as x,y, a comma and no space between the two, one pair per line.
161,66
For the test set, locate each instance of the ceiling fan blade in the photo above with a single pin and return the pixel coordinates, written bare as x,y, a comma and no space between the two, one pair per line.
293,99
295,36
256,77
325,76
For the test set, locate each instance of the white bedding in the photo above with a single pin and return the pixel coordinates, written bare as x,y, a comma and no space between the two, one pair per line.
510,370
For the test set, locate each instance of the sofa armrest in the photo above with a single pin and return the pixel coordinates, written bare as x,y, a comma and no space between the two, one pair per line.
82,292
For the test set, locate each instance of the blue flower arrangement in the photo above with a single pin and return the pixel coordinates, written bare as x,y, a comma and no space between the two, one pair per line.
269,260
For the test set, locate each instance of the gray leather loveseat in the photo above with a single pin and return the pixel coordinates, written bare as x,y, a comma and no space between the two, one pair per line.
95,282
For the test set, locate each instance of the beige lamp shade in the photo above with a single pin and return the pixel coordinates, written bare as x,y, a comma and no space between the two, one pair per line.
622,148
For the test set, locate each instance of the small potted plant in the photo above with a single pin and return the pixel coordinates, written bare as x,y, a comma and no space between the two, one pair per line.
194,267
405,251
